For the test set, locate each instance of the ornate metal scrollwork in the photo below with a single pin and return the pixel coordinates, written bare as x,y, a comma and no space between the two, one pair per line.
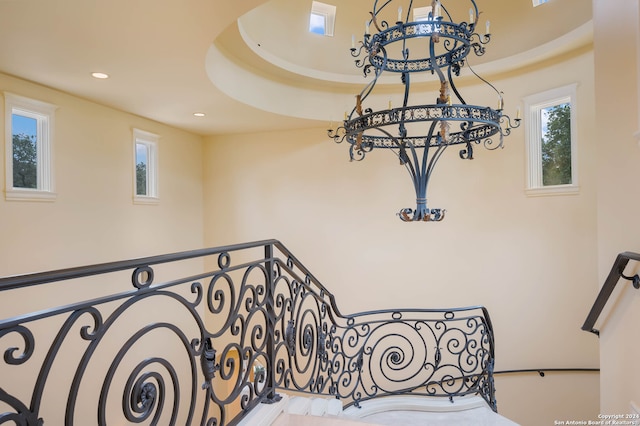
21,415
322,350
179,346
290,337
208,363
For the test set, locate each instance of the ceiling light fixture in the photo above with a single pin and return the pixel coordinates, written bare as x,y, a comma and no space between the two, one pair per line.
99,75
199,114
419,133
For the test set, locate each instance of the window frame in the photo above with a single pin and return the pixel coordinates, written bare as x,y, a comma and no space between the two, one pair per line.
421,14
44,114
537,3
328,12
150,141
533,105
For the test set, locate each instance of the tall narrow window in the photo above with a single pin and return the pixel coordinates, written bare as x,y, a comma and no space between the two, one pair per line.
29,140
551,142
145,183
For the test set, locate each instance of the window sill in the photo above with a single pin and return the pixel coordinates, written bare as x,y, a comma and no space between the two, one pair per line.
553,190
146,200
30,195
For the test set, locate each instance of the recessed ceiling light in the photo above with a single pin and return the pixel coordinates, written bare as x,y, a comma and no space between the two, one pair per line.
199,114
99,75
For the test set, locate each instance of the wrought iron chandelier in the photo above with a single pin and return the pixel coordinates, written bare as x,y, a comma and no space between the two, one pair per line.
429,42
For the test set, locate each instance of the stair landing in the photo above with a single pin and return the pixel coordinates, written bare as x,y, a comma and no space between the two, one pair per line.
391,411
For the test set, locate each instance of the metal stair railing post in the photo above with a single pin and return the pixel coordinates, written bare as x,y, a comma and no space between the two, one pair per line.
272,396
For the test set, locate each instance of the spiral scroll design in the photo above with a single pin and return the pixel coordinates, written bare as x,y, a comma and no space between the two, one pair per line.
146,393
209,348
13,355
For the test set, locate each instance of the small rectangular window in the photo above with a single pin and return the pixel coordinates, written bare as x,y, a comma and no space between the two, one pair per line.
551,142
29,140
145,184
322,18
538,2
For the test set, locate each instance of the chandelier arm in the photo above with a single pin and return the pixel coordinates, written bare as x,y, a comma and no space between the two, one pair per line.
454,88
375,13
369,87
423,181
409,9
509,124
499,93
355,154
419,186
338,135
406,79
401,125
443,9
434,62
432,129
434,160
413,173
405,161
414,169
377,10
405,51
361,97
489,145
407,164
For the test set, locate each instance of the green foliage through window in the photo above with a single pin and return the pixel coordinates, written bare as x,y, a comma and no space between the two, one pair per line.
141,179
556,145
25,161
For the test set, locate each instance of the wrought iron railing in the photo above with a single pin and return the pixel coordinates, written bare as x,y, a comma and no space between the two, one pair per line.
206,346
616,272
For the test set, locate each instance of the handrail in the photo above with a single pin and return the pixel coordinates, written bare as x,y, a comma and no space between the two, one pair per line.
18,281
38,278
541,371
607,288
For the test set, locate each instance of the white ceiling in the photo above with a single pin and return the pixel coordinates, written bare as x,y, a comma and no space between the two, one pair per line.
156,51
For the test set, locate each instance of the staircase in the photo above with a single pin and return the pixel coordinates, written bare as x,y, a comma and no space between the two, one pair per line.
391,411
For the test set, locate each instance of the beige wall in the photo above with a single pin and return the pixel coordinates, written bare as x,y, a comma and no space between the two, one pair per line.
530,260
616,71
94,220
